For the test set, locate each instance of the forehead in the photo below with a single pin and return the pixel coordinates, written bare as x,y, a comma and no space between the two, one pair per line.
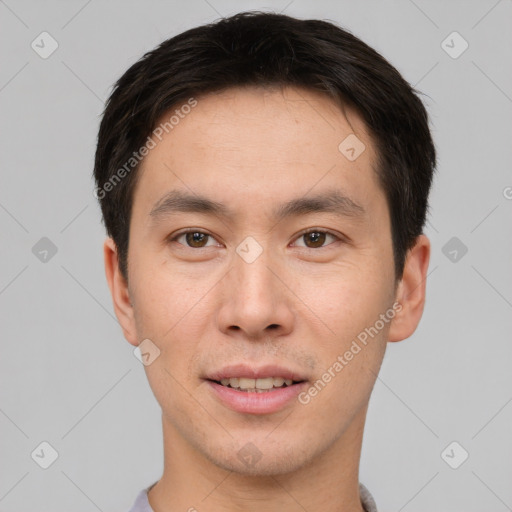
261,145
250,118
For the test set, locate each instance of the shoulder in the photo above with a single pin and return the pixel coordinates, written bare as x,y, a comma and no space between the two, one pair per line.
367,500
141,503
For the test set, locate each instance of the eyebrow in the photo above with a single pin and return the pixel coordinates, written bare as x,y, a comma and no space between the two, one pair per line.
332,201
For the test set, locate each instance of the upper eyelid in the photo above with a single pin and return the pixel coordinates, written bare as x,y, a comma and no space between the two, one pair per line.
317,230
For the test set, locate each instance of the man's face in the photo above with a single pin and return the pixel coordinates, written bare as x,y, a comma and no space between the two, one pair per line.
216,300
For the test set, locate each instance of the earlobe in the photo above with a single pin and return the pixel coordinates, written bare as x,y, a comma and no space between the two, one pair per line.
411,291
118,286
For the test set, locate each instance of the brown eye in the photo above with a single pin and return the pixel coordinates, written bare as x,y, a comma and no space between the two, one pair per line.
196,239
193,239
315,239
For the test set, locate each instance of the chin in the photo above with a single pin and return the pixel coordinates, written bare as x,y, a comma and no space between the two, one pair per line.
261,458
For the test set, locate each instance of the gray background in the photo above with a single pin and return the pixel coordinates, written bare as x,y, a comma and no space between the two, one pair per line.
68,377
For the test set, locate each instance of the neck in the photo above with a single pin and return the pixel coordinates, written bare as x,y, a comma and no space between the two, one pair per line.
191,482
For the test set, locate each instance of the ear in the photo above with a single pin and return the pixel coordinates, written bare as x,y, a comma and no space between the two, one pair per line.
411,291
119,290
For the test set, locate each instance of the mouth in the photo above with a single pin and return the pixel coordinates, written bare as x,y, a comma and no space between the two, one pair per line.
261,385
256,390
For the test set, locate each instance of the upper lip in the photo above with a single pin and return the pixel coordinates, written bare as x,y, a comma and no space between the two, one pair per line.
255,372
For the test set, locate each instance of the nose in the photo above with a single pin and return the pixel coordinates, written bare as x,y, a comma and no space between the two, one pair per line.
256,302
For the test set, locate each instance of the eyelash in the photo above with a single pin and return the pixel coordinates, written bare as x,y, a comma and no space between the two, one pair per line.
173,238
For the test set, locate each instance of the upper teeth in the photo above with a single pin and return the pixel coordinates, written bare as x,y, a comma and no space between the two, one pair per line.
246,383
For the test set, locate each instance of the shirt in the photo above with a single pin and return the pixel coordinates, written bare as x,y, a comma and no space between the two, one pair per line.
142,504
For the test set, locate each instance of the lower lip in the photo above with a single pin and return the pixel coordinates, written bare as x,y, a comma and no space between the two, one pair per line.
254,402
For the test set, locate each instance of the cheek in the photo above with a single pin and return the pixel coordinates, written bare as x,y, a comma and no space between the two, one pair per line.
352,304
161,316
162,298
350,356
347,298
170,315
